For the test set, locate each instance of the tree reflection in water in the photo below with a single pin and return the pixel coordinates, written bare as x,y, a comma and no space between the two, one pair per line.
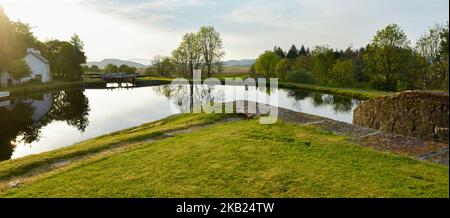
180,95
339,103
23,118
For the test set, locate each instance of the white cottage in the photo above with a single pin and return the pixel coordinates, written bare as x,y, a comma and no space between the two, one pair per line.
39,66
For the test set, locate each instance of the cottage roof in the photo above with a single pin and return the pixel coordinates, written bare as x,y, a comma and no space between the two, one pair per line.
38,56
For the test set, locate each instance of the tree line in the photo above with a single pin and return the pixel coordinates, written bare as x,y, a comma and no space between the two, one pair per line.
389,62
65,57
110,68
200,50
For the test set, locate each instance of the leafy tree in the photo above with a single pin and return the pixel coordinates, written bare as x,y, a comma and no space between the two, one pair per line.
19,69
180,59
66,58
86,69
69,61
324,58
342,74
266,63
300,76
188,55
5,40
151,71
167,67
51,53
282,68
110,68
15,38
387,55
95,69
211,46
429,47
444,54
292,53
304,62
124,68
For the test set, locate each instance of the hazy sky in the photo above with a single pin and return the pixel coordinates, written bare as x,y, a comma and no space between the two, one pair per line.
143,28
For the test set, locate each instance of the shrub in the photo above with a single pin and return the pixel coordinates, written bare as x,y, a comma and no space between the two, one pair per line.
19,68
300,76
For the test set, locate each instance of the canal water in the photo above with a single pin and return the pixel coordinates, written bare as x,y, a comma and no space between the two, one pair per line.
51,120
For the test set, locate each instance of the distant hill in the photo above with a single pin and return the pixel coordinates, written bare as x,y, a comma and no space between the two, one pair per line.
143,61
117,62
242,62
134,62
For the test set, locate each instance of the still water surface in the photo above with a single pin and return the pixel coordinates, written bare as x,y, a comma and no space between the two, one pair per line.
53,120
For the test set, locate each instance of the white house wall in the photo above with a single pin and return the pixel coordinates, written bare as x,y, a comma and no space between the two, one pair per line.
37,66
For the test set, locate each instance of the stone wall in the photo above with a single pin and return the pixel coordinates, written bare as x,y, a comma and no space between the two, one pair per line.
419,114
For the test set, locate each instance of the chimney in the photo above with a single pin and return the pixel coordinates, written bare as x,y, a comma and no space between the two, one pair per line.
33,50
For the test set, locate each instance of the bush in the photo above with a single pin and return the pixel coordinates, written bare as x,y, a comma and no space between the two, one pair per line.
402,85
19,69
381,84
300,76
342,74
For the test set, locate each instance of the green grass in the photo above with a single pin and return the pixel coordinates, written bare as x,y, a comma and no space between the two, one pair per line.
363,94
242,159
41,87
154,129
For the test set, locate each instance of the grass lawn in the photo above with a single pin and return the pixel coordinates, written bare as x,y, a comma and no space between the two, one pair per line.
232,159
363,94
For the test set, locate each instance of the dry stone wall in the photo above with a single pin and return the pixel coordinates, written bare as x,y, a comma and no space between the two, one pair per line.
420,114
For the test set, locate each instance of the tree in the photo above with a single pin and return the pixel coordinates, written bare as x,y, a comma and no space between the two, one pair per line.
110,68
282,68
188,54
180,59
323,60
5,40
303,51
151,71
15,38
444,53
279,51
167,67
342,74
157,63
95,69
124,68
19,69
429,47
300,76
265,64
163,65
304,62
387,55
51,53
86,69
211,46
69,60
292,53
66,58
192,49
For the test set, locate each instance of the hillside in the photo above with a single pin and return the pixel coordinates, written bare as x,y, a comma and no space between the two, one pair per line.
241,62
117,62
